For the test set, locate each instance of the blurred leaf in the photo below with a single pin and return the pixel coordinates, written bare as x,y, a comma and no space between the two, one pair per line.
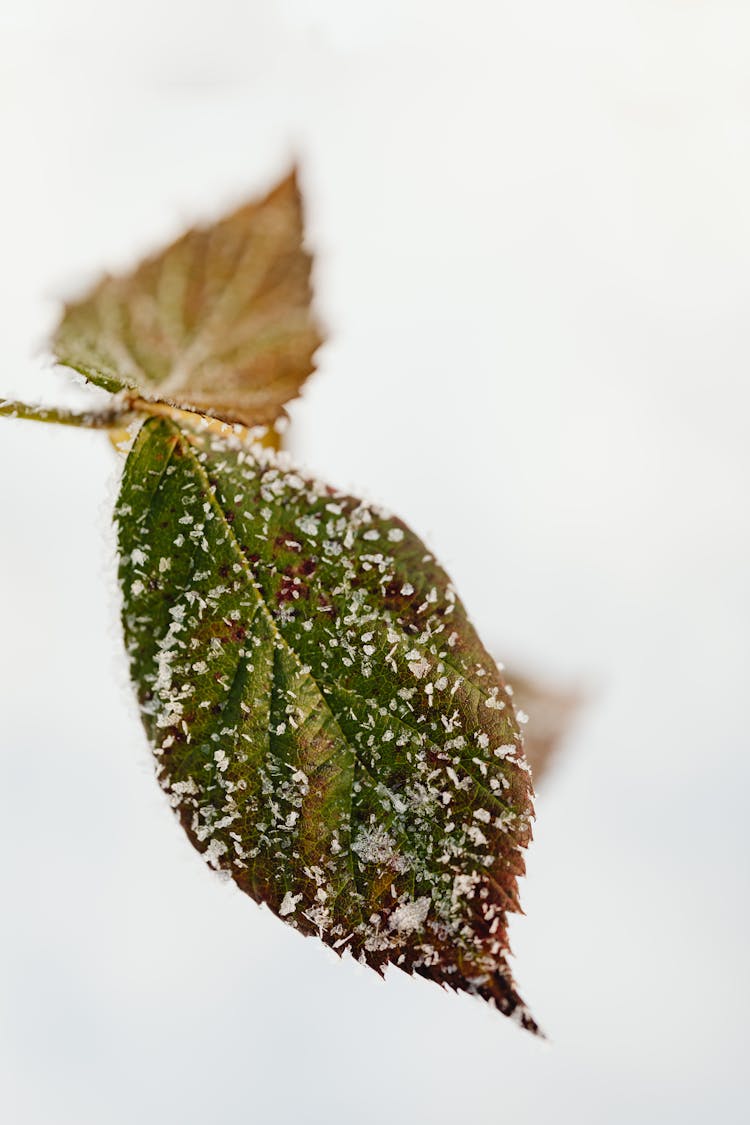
218,322
550,714
326,722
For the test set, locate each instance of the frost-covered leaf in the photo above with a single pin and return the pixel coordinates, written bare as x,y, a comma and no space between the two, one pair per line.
218,322
326,722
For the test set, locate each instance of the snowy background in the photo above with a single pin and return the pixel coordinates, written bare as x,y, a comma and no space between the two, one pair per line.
533,238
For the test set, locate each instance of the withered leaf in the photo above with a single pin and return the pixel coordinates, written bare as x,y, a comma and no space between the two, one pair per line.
219,322
326,722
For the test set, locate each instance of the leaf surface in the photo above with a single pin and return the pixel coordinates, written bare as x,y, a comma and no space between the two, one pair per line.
218,322
326,722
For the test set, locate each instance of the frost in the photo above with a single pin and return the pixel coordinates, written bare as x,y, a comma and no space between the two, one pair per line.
376,846
419,668
308,525
507,750
215,850
464,886
410,915
476,835
493,702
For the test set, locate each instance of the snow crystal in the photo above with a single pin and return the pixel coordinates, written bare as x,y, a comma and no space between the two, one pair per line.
419,668
374,845
308,525
214,851
410,915
222,761
476,835
289,904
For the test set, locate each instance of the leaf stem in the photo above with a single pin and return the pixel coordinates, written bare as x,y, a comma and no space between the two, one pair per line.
129,407
93,420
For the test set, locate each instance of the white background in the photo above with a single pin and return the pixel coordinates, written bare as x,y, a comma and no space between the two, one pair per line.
533,236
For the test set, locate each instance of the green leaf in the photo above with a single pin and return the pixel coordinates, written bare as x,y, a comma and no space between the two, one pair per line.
326,722
219,322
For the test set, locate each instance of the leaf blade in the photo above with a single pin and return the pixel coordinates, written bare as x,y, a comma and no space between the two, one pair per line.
218,322
363,810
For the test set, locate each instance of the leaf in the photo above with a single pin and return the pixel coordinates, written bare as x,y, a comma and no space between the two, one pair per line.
551,712
326,722
218,322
